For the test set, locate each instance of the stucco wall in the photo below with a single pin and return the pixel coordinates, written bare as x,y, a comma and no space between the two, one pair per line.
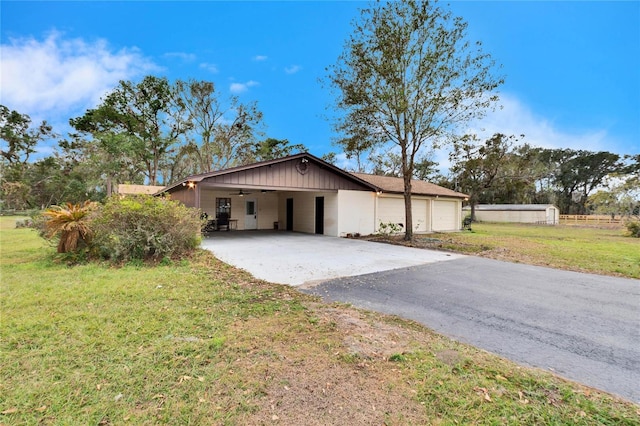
356,212
304,211
267,206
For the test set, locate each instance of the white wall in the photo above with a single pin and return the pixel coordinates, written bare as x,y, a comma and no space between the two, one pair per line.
356,213
304,211
331,214
267,204
550,216
267,209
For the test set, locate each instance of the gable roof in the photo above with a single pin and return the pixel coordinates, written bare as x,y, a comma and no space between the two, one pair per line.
511,207
217,175
418,187
361,180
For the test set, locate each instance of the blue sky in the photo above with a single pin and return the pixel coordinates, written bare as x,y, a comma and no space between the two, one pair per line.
572,68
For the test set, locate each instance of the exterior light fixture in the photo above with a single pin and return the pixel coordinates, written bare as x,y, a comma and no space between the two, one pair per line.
191,184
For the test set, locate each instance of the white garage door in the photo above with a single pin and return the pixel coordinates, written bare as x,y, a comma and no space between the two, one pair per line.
390,210
445,217
419,212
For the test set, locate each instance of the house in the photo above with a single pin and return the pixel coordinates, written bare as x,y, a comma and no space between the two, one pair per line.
519,213
306,194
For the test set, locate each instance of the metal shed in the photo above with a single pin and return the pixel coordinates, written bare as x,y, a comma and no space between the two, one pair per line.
517,213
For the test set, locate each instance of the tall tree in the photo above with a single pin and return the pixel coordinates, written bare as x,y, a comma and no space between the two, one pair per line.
19,139
409,77
270,148
147,113
577,173
477,167
221,131
390,164
109,154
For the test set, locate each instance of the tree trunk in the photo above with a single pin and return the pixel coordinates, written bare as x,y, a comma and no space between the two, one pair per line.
408,226
406,177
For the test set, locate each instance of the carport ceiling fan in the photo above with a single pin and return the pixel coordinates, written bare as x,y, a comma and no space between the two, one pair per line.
240,193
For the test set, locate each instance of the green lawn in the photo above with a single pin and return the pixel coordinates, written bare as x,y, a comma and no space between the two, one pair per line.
198,342
586,249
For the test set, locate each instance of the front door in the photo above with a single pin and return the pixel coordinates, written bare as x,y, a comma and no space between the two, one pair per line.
251,214
289,214
320,215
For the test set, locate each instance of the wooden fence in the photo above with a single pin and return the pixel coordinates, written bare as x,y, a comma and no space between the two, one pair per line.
589,219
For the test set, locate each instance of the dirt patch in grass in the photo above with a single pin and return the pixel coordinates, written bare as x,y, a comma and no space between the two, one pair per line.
333,368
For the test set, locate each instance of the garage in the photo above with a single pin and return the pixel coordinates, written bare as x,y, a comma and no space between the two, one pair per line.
303,193
446,215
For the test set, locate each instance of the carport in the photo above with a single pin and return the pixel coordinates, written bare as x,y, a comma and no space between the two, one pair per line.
296,258
303,193
297,193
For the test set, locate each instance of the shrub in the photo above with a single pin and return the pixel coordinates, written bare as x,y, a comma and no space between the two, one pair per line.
144,228
390,228
633,228
70,224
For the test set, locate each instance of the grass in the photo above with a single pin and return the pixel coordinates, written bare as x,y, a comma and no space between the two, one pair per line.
199,342
583,249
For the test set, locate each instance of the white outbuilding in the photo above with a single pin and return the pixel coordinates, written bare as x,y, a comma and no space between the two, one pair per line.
519,213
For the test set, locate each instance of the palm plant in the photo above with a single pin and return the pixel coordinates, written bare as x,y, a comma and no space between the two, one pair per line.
70,222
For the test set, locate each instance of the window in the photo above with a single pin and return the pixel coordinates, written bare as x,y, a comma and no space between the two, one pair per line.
223,205
251,208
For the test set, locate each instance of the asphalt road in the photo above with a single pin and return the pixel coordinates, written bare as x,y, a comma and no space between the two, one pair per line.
580,326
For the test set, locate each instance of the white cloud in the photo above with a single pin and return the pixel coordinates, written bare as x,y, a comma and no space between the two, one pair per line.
516,118
212,68
260,58
292,69
238,88
186,57
52,77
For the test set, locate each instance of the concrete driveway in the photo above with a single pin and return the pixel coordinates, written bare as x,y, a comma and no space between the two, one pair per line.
296,259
